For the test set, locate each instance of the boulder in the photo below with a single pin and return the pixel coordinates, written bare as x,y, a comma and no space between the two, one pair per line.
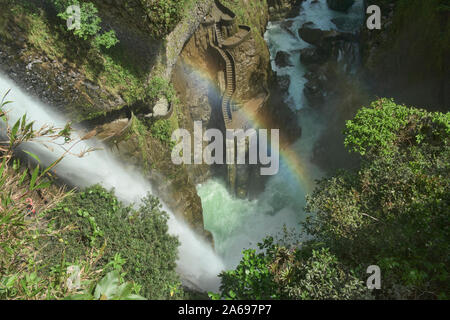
284,82
287,26
282,59
314,55
318,85
313,92
311,35
318,37
161,108
340,5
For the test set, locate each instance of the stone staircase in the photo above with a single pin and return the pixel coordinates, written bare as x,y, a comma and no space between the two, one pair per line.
230,76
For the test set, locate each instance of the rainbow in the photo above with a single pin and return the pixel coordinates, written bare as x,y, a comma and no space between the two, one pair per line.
288,156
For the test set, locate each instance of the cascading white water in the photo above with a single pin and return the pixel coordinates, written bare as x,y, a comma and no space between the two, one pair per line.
283,36
197,262
237,223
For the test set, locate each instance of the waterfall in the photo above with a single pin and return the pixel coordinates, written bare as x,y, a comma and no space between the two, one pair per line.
198,265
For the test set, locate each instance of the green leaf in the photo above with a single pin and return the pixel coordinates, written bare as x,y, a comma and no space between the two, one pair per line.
14,130
34,177
32,155
108,286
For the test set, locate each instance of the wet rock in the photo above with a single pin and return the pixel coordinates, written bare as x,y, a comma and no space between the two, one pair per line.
318,86
344,23
287,26
282,59
311,35
30,65
284,82
340,5
313,55
161,108
91,86
322,38
282,9
314,93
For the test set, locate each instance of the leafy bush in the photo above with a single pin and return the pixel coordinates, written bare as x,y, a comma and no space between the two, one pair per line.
393,212
159,87
383,127
289,272
162,130
162,15
138,235
89,25
110,287
251,280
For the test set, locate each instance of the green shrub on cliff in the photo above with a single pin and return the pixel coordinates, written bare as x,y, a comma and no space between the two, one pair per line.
393,212
162,15
89,27
162,130
159,87
140,236
288,272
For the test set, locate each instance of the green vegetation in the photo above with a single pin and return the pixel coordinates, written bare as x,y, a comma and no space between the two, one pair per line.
162,15
392,212
162,130
159,87
283,271
137,235
109,288
76,245
94,53
117,71
89,27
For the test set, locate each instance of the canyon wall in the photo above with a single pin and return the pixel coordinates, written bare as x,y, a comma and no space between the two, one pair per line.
408,59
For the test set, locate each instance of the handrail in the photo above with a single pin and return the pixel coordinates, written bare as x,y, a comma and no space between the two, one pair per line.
225,10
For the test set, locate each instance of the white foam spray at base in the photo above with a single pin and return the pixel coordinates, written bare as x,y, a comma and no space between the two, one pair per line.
197,262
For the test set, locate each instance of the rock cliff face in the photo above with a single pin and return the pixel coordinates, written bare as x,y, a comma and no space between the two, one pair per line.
202,78
280,9
408,59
